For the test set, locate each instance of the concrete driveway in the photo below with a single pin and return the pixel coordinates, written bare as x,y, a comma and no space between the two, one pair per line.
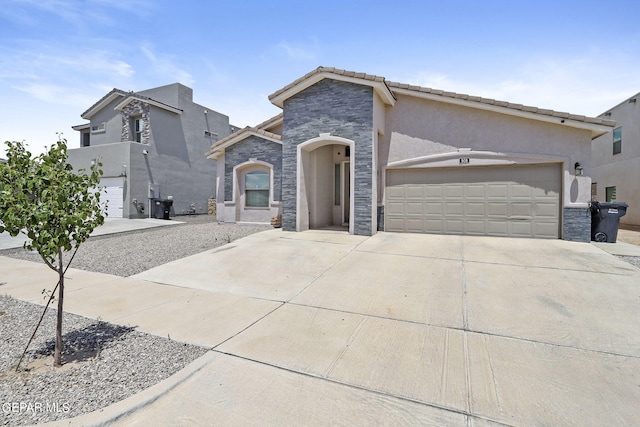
324,328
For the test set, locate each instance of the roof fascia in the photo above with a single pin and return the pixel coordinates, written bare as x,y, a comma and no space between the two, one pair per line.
379,86
217,150
595,129
150,101
99,106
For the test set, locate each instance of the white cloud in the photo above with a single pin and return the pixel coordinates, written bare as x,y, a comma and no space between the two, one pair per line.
581,85
165,67
298,52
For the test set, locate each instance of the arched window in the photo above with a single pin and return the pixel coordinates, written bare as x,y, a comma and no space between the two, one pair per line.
256,188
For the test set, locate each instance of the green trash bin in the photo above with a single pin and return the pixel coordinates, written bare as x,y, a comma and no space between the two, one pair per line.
605,220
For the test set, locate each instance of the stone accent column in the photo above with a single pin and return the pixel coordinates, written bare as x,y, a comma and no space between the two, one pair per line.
576,224
136,108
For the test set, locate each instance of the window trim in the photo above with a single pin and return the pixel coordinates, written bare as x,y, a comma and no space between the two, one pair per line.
238,179
266,188
617,142
99,128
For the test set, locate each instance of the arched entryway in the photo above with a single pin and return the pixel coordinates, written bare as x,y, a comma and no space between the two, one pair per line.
325,183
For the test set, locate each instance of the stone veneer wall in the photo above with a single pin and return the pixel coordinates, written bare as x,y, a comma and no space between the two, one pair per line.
257,148
576,224
341,109
136,108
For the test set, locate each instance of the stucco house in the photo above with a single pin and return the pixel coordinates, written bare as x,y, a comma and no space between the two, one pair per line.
150,144
354,150
615,157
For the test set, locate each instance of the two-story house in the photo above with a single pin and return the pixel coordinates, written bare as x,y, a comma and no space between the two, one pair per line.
616,159
150,144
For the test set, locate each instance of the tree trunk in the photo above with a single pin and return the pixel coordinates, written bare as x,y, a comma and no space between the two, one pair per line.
57,354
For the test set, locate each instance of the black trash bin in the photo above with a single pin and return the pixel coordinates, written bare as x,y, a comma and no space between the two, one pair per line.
163,208
605,220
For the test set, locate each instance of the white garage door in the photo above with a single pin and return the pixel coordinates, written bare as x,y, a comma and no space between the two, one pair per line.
516,201
113,196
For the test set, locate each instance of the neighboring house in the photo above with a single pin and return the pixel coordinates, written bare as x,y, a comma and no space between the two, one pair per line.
150,144
356,151
615,157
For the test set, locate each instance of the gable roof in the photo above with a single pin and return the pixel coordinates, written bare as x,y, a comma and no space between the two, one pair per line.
270,123
218,147
128,98
377,83
597,126
103,102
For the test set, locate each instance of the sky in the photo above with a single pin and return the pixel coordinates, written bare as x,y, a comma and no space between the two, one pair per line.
58,57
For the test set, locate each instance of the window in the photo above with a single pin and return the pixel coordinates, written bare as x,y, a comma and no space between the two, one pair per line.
138,124
594,191
86,139
101,127
610,194
617,140
256,188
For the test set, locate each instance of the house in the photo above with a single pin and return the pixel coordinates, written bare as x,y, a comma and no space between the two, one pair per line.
150,144
615,157
354,150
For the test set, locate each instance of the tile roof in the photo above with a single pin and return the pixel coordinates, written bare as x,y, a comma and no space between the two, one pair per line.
249,130
119,92
469,99
331,70
509,105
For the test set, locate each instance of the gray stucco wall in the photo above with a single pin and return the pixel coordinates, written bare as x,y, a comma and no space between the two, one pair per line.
175,162
620,170
341,109
257,148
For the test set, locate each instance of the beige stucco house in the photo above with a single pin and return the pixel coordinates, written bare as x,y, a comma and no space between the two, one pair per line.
354,150
616,159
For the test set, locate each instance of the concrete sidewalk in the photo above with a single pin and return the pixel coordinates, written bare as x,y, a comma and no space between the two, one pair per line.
321,328
110,226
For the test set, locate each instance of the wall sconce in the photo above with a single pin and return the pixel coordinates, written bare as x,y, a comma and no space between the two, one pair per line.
124,171
93,162
145,152
578,169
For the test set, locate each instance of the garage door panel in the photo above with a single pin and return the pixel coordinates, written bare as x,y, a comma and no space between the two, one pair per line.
414,192
454,208
520,191
546,210
475,227
475,191
521,201
414,208
433,191
495,190
475,209
414,225
454,226
434,225
523,209
433,208
454,191
498,209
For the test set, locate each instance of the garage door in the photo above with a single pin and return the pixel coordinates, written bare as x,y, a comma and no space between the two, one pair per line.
516,201
113,196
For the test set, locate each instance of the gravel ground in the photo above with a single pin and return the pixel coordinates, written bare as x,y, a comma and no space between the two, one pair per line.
126,254
103,363
633,260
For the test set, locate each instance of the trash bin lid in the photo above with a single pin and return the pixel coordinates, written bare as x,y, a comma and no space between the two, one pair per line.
614,205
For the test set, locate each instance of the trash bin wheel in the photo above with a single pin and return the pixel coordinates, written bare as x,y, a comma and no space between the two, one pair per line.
600,237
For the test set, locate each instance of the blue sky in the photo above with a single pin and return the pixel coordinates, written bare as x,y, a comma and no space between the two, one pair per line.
57,57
